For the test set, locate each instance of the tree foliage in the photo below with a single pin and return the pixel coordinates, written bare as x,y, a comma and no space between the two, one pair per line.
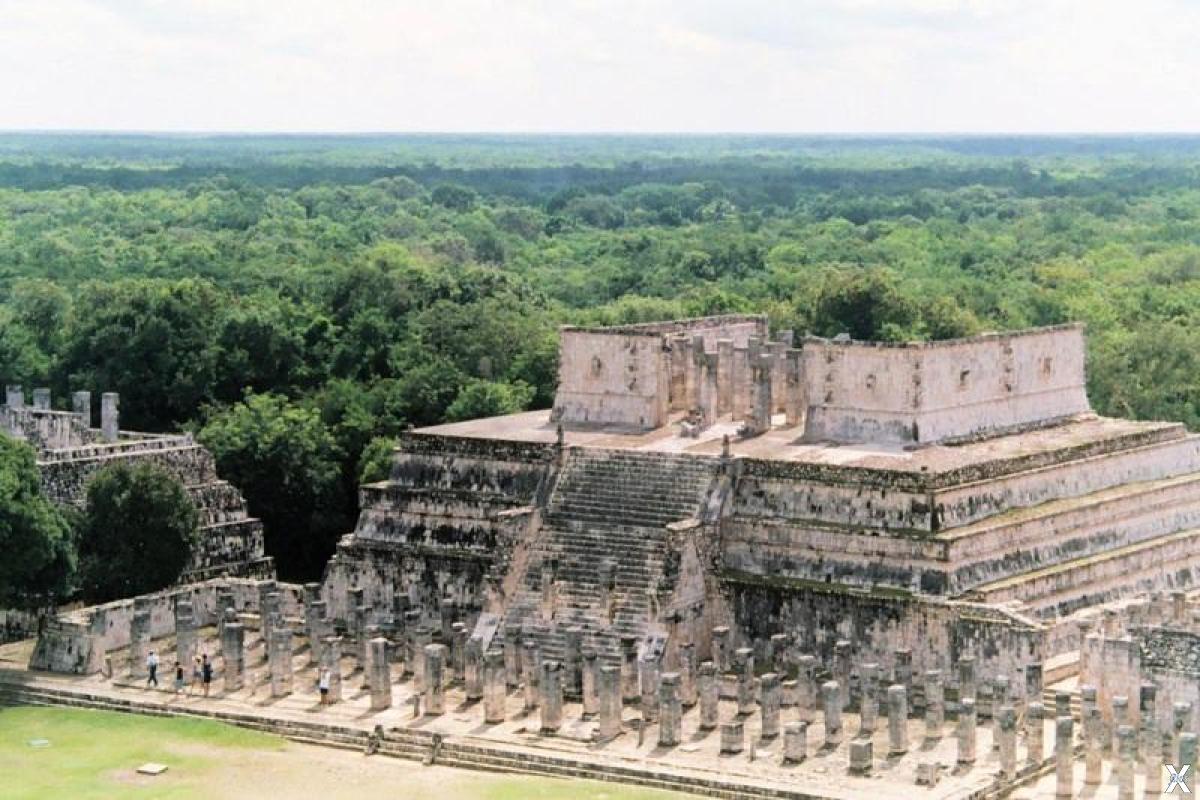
35,537
137,532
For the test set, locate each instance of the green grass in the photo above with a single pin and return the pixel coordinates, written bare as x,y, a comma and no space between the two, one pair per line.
88,747
92,754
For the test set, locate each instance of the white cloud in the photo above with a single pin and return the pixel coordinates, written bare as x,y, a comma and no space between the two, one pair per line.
611,65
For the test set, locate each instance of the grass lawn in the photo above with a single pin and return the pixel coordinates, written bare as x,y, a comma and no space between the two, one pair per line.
95,754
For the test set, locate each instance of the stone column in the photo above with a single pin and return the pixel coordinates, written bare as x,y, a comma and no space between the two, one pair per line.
14,396
831,702
630,689
281,661
549,583
966,731
897,697
41,399
435,679
862,754
110,426
1064,757
494,689
842,668
1035,682
610,703
806,688
769,705
531,666
1127,750
473,669
420,637
724,376
648,681
458,653
512,657
1151,739
935,712
573,662
1035,730
966,677
608,586
1007,718
379,676
777,660
331,659
1187,755
361,620
795,742
687,674
902,669
1120,716
795,403
233,654
868,703
552,696
1093,734
707,386
185,635
591,681
710,693
720,649
733,737
1181,719
139,642
81,405
999,699
671,710
745,681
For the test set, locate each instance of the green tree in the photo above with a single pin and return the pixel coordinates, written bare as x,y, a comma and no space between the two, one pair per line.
285,461
35,537
489,399
138,532
376,462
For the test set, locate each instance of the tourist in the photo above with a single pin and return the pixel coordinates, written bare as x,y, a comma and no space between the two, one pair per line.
152,669
206,673
323,686
197,676
178,677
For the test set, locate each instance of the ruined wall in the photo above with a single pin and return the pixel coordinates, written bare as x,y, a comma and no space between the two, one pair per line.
928,392
437,527
618,379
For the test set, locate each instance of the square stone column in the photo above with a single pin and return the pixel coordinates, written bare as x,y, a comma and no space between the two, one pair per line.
868,703
708,684
379,676
862,756
724,376
280,660
1064,757
233,653
435,679
795,742
687,675
733,737
552,696
512,657
966,731
670,710
81,406
331,659
572,663
935,713
185,635
1007,718
649,676
458,652
110,427
41,399
769,704
745,681
897,696
610,703
591,681
531,664
494,687
806,688
720,649
1127,756
1120,716
842,667
139,643
630,690
832,704
473,669
966,678
1035,731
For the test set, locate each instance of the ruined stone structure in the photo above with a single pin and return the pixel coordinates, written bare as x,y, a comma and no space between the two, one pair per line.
767,554
69,451
953,498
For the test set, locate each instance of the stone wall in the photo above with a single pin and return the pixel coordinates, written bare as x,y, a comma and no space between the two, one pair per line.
934,391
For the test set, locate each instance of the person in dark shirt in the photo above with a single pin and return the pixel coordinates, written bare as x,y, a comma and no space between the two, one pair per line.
206,673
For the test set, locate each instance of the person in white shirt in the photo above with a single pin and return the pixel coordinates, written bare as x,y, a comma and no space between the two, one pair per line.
152,669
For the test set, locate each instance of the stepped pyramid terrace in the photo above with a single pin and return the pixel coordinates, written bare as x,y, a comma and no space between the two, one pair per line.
736,563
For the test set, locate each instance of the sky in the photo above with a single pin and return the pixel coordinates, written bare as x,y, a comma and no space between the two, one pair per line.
779,66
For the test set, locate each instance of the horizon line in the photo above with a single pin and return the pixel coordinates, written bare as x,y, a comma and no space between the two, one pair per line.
599,133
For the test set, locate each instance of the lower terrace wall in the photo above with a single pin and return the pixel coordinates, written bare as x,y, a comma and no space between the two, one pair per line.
938,633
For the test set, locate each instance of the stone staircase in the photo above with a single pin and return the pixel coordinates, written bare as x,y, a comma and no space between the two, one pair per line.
607,506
